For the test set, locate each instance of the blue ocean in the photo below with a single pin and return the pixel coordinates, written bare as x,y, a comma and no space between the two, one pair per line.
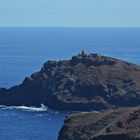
23,52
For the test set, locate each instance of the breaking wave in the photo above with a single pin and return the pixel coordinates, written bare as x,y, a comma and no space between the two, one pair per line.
42,108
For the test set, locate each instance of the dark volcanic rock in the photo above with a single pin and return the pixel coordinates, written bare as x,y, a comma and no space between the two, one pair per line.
86,82
120,124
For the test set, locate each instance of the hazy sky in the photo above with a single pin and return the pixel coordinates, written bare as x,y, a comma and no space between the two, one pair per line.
69,12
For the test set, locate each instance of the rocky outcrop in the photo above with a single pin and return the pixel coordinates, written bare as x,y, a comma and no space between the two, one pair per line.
119,124
86,82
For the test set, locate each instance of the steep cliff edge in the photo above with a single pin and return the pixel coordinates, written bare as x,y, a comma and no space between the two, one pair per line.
119,124
86,82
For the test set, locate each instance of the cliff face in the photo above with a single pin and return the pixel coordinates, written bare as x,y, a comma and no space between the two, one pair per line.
86,82
120,124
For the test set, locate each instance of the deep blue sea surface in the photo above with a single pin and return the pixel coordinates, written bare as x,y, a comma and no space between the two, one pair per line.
24,50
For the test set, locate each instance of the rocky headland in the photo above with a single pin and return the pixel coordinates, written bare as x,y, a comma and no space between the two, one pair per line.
86,82
118,124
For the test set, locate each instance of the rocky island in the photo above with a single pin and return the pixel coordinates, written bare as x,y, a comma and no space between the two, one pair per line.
86,82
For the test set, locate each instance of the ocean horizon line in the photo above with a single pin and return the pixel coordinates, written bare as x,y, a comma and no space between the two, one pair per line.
69,26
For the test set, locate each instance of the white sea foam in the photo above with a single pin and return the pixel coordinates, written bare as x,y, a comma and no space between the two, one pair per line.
42,108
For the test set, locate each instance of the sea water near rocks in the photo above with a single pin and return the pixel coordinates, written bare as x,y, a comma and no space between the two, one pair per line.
24,50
